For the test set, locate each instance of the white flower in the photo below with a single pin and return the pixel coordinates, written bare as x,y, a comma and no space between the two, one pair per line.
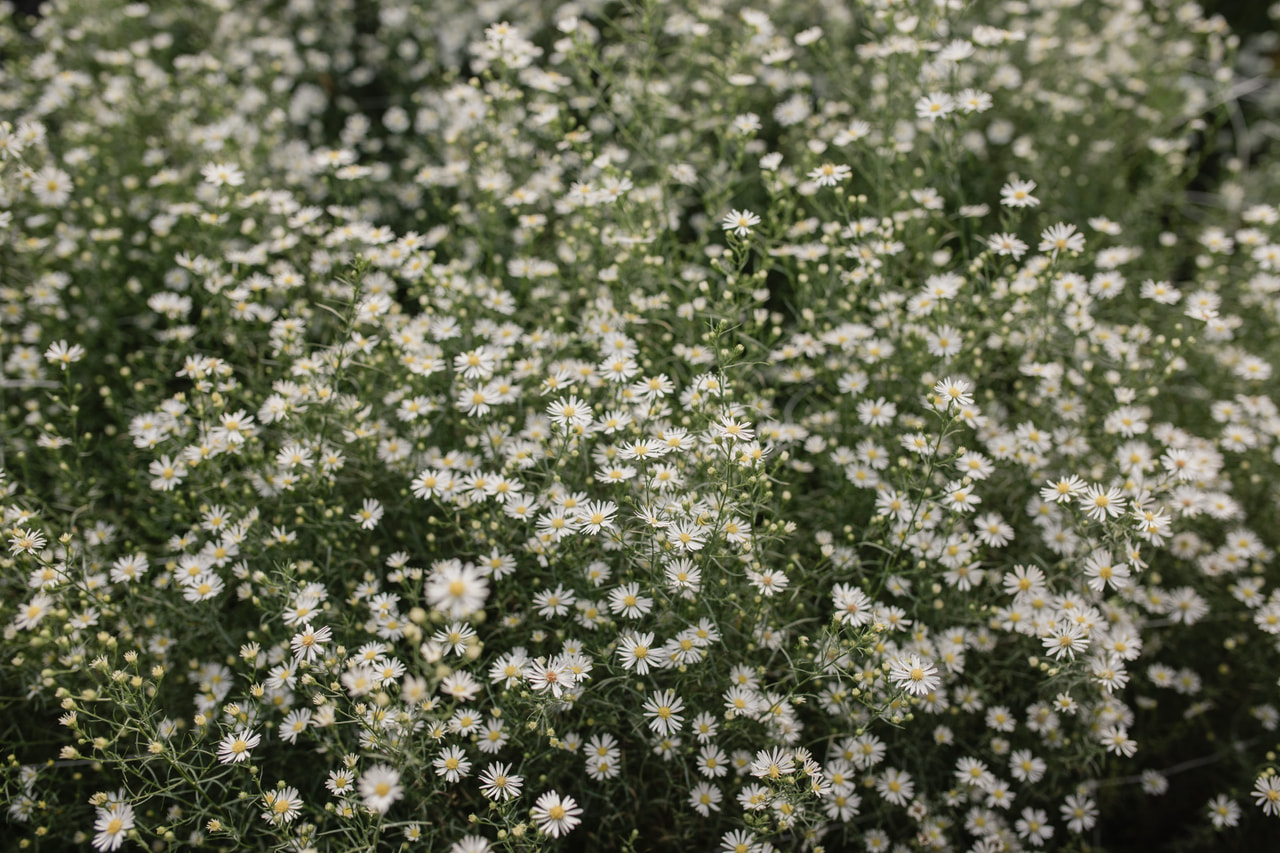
740,222
663,710
498,783
1066,638
236,746
935,105
51,186
369,514
954,392
456,589
1224,811
556,815
223,174
1018,194
61,354
1266,794
1007,244
914,674
113,823
167,473
830,174
1034,826
282,806
1060,238
452,764
26,540
380,788
309,642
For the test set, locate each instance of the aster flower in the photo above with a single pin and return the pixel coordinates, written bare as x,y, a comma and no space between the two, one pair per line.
1266,793
740,222
663,710
282,805
112,825
556,815
1018,194
914,674
1061,238
380,788
61,354
237,746
499,784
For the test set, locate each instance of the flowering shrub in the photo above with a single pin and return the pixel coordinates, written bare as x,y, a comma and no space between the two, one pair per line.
527,426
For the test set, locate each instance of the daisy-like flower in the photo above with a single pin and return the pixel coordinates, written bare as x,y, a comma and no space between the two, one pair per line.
452,764
556,675
498,783
595,516
454,637
554,602
1066,638
167,473
61,354
236,746
731,430
878,412
1224,812
935,105
1117,741
1080,813
223,175
945,342
294,724
282,806
51,186
974,101
705,798
308,643
663,710
1266,794
203,587
469,844
1061,238
686,536
636,652
830,174
953,392
960,497
772,764
340,782
740,222
896,786
369,514
1007,244
380,788
569,412
740,841
112,825
627,601
25,540
1018,194
456,589
852,605
1034,827
1063,489
556,815
914,674
129,569
1100,504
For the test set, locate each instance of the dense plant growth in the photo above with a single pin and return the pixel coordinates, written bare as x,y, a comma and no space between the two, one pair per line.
521,426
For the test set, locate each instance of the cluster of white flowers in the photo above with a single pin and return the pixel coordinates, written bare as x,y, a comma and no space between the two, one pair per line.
817,435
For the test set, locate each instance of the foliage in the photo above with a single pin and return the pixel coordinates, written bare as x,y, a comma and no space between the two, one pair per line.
631,425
